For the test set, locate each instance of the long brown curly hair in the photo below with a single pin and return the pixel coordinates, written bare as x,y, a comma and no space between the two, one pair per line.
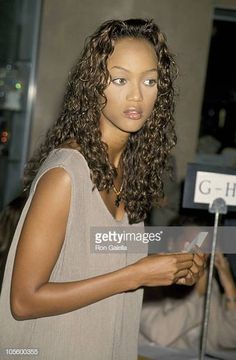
145,156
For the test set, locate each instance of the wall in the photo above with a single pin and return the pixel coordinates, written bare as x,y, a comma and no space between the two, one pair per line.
226,4
65,24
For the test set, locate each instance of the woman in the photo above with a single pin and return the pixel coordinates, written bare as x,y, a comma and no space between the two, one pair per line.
101,165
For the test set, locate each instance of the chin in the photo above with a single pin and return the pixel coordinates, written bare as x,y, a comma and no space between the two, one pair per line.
134,129
131,130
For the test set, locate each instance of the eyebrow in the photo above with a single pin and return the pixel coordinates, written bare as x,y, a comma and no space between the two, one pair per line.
121,68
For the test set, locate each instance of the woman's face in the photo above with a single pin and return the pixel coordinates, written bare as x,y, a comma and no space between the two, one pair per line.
132,92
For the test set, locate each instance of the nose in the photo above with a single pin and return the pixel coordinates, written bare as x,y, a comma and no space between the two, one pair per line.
134,93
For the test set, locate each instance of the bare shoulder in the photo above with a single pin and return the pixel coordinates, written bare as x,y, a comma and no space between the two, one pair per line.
55,180
56,175
49,208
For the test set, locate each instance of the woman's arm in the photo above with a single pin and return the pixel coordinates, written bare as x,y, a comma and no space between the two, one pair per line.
227,280
40,243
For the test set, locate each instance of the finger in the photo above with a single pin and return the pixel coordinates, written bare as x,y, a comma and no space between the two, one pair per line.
196,273
181,257
192,278
197,269
187,280
190,281
198,251
181,281
194,269
184,265
199,259
181,273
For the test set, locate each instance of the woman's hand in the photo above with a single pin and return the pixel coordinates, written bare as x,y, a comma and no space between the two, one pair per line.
197,269
167,269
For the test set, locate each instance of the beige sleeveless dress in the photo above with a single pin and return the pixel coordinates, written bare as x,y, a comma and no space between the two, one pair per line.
106,330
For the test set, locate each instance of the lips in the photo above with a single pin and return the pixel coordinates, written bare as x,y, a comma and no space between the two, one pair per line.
133,113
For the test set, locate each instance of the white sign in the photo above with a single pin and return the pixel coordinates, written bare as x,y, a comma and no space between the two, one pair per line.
210,186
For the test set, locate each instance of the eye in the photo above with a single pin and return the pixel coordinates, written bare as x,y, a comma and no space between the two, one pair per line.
119,81
150,82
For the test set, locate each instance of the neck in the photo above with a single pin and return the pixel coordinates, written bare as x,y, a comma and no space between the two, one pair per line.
114,155
116,141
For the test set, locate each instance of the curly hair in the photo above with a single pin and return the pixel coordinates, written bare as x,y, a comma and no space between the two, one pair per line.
145,156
